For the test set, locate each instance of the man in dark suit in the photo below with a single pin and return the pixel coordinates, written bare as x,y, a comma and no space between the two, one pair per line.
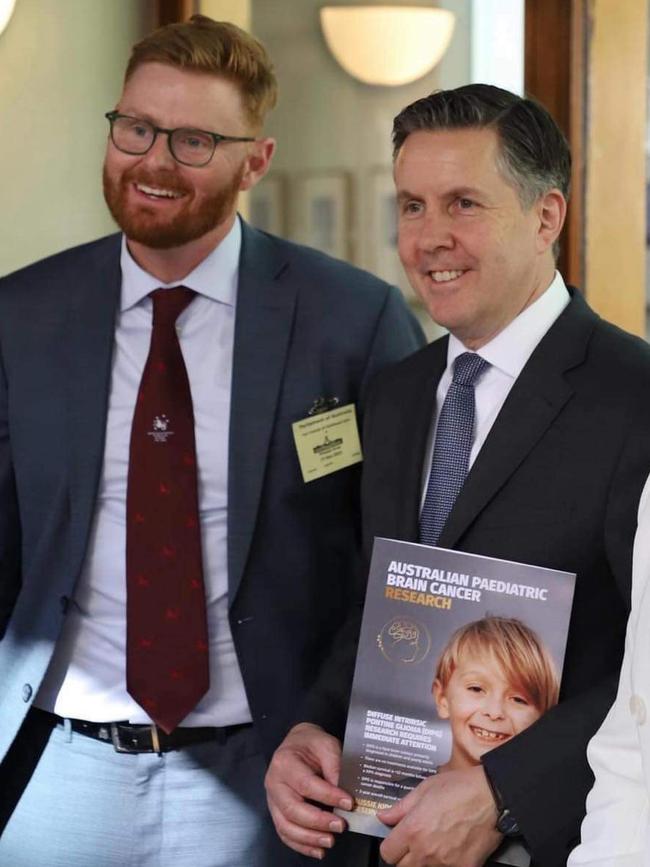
536,451
139,702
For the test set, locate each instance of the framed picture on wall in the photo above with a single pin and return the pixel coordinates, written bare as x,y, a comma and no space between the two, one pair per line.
381,227
268,204
320,212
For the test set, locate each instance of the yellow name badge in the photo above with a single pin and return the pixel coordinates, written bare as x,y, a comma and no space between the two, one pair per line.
327,442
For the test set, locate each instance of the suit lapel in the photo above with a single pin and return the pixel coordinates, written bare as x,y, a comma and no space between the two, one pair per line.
416,400
265,311
93,295
533,403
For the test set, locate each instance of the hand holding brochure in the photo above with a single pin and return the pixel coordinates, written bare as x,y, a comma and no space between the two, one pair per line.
458,653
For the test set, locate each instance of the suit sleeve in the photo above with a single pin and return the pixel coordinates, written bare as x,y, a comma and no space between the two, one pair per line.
543,774
10,538
397,334
614,830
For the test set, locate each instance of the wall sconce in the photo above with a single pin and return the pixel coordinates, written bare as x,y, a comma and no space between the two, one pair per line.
387,45
6,11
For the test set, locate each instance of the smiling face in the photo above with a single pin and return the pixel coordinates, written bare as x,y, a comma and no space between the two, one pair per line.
483,707
475,257
160,204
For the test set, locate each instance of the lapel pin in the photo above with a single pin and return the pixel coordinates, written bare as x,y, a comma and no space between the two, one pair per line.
323,404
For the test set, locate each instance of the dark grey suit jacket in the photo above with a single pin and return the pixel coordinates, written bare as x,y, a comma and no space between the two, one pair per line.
557,484
307,326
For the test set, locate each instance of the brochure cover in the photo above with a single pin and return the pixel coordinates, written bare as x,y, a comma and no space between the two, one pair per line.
457,654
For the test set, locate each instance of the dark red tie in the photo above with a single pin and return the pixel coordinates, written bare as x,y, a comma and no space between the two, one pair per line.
167,637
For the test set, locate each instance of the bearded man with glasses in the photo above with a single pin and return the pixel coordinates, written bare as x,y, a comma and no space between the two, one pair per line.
169,583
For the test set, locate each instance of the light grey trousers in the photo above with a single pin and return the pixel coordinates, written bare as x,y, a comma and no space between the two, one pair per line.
89,806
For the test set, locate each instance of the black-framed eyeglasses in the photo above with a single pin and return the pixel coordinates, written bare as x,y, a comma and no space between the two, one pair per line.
191,147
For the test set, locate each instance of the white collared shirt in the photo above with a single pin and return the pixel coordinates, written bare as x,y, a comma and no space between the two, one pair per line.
507,353
86,678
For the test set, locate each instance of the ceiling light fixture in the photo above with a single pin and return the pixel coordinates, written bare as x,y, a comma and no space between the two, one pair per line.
387,45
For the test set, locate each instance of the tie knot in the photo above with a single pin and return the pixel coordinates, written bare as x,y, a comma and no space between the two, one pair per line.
168,304
468,367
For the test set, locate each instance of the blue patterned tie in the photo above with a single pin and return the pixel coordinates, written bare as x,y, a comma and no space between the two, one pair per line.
452,447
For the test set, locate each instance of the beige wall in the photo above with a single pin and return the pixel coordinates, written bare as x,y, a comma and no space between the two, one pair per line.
61,65
615,262
237,11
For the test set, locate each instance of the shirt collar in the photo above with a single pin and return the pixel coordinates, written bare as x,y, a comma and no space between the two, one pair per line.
215,277
511,348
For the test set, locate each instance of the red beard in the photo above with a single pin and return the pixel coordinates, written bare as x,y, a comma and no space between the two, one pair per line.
145,226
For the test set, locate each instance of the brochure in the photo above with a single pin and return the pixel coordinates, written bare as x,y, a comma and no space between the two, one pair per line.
457,654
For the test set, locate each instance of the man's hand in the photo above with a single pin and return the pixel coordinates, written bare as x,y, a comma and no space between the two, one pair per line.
447,821
306,766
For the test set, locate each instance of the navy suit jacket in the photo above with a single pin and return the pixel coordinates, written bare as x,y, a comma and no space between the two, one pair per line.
556,484
307,326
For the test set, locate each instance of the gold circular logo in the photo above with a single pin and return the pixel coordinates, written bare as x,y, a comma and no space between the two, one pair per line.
404,640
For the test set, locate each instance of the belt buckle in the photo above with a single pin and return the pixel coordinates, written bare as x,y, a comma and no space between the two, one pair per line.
120,747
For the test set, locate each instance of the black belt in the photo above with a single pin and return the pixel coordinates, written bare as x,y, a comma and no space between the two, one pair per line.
128,738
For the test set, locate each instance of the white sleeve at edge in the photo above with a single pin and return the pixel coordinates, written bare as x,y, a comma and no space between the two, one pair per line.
615,829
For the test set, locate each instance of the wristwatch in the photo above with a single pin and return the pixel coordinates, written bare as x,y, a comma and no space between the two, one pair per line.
506,822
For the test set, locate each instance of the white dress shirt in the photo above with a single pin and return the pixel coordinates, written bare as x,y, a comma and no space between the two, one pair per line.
507,353
616,830
87,676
